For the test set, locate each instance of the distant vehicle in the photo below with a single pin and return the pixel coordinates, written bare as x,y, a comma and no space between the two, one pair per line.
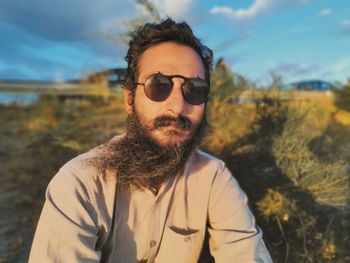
311,85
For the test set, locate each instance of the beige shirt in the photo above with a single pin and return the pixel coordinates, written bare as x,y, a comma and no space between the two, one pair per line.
86,218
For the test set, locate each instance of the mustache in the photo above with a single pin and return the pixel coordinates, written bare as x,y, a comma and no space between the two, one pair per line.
180,122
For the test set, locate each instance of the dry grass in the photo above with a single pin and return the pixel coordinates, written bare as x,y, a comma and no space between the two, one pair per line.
36,140
34,143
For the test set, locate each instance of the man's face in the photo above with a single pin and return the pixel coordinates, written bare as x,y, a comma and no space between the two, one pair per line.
168,58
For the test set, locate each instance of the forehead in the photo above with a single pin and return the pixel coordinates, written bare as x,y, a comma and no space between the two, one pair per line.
172,59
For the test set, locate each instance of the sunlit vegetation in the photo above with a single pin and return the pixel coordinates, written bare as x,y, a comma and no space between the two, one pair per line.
35,141
289,151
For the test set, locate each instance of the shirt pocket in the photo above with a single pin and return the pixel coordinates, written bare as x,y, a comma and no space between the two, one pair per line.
180,245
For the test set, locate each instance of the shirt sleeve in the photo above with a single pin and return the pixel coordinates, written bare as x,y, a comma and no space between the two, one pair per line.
67,229
234,237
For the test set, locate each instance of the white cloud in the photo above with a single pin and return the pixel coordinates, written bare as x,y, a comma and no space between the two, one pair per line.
58,76
346,22
59,19
257,8
296,70
342,65
345,26
325,12
176,9
340,70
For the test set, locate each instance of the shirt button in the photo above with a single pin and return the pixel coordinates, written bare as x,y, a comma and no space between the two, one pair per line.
152,243
187,238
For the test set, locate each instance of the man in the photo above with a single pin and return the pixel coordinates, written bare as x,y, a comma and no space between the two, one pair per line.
150,195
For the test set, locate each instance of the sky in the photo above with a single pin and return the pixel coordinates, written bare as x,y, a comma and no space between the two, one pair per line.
60,40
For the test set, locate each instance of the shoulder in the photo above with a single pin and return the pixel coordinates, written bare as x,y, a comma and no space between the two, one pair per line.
80,178
78,169
201,158
84,164
215,168
80,191
206,168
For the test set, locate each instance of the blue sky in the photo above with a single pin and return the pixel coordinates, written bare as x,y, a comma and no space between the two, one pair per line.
62,39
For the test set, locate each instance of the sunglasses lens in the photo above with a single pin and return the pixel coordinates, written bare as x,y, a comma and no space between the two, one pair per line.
196,91
158,87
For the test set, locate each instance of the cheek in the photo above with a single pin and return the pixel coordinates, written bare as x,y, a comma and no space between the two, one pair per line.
144,106
197,114
140,101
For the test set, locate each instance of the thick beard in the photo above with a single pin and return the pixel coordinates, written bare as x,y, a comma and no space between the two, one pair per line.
138,161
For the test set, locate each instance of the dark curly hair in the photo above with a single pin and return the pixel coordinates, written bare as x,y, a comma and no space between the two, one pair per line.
154,33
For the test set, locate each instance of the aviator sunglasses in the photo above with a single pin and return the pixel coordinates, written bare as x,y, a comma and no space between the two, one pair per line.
158,87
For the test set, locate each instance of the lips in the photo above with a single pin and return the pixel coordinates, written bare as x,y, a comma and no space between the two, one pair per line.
175,131
174,125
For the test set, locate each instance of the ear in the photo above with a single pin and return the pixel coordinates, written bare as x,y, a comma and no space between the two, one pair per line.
128,100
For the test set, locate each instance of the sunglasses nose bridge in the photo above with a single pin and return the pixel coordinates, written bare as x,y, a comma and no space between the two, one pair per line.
182,86
181,82
176,102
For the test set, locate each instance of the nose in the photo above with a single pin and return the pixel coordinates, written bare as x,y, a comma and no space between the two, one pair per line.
176,103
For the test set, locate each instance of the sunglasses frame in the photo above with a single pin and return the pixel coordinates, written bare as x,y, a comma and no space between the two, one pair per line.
170,78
